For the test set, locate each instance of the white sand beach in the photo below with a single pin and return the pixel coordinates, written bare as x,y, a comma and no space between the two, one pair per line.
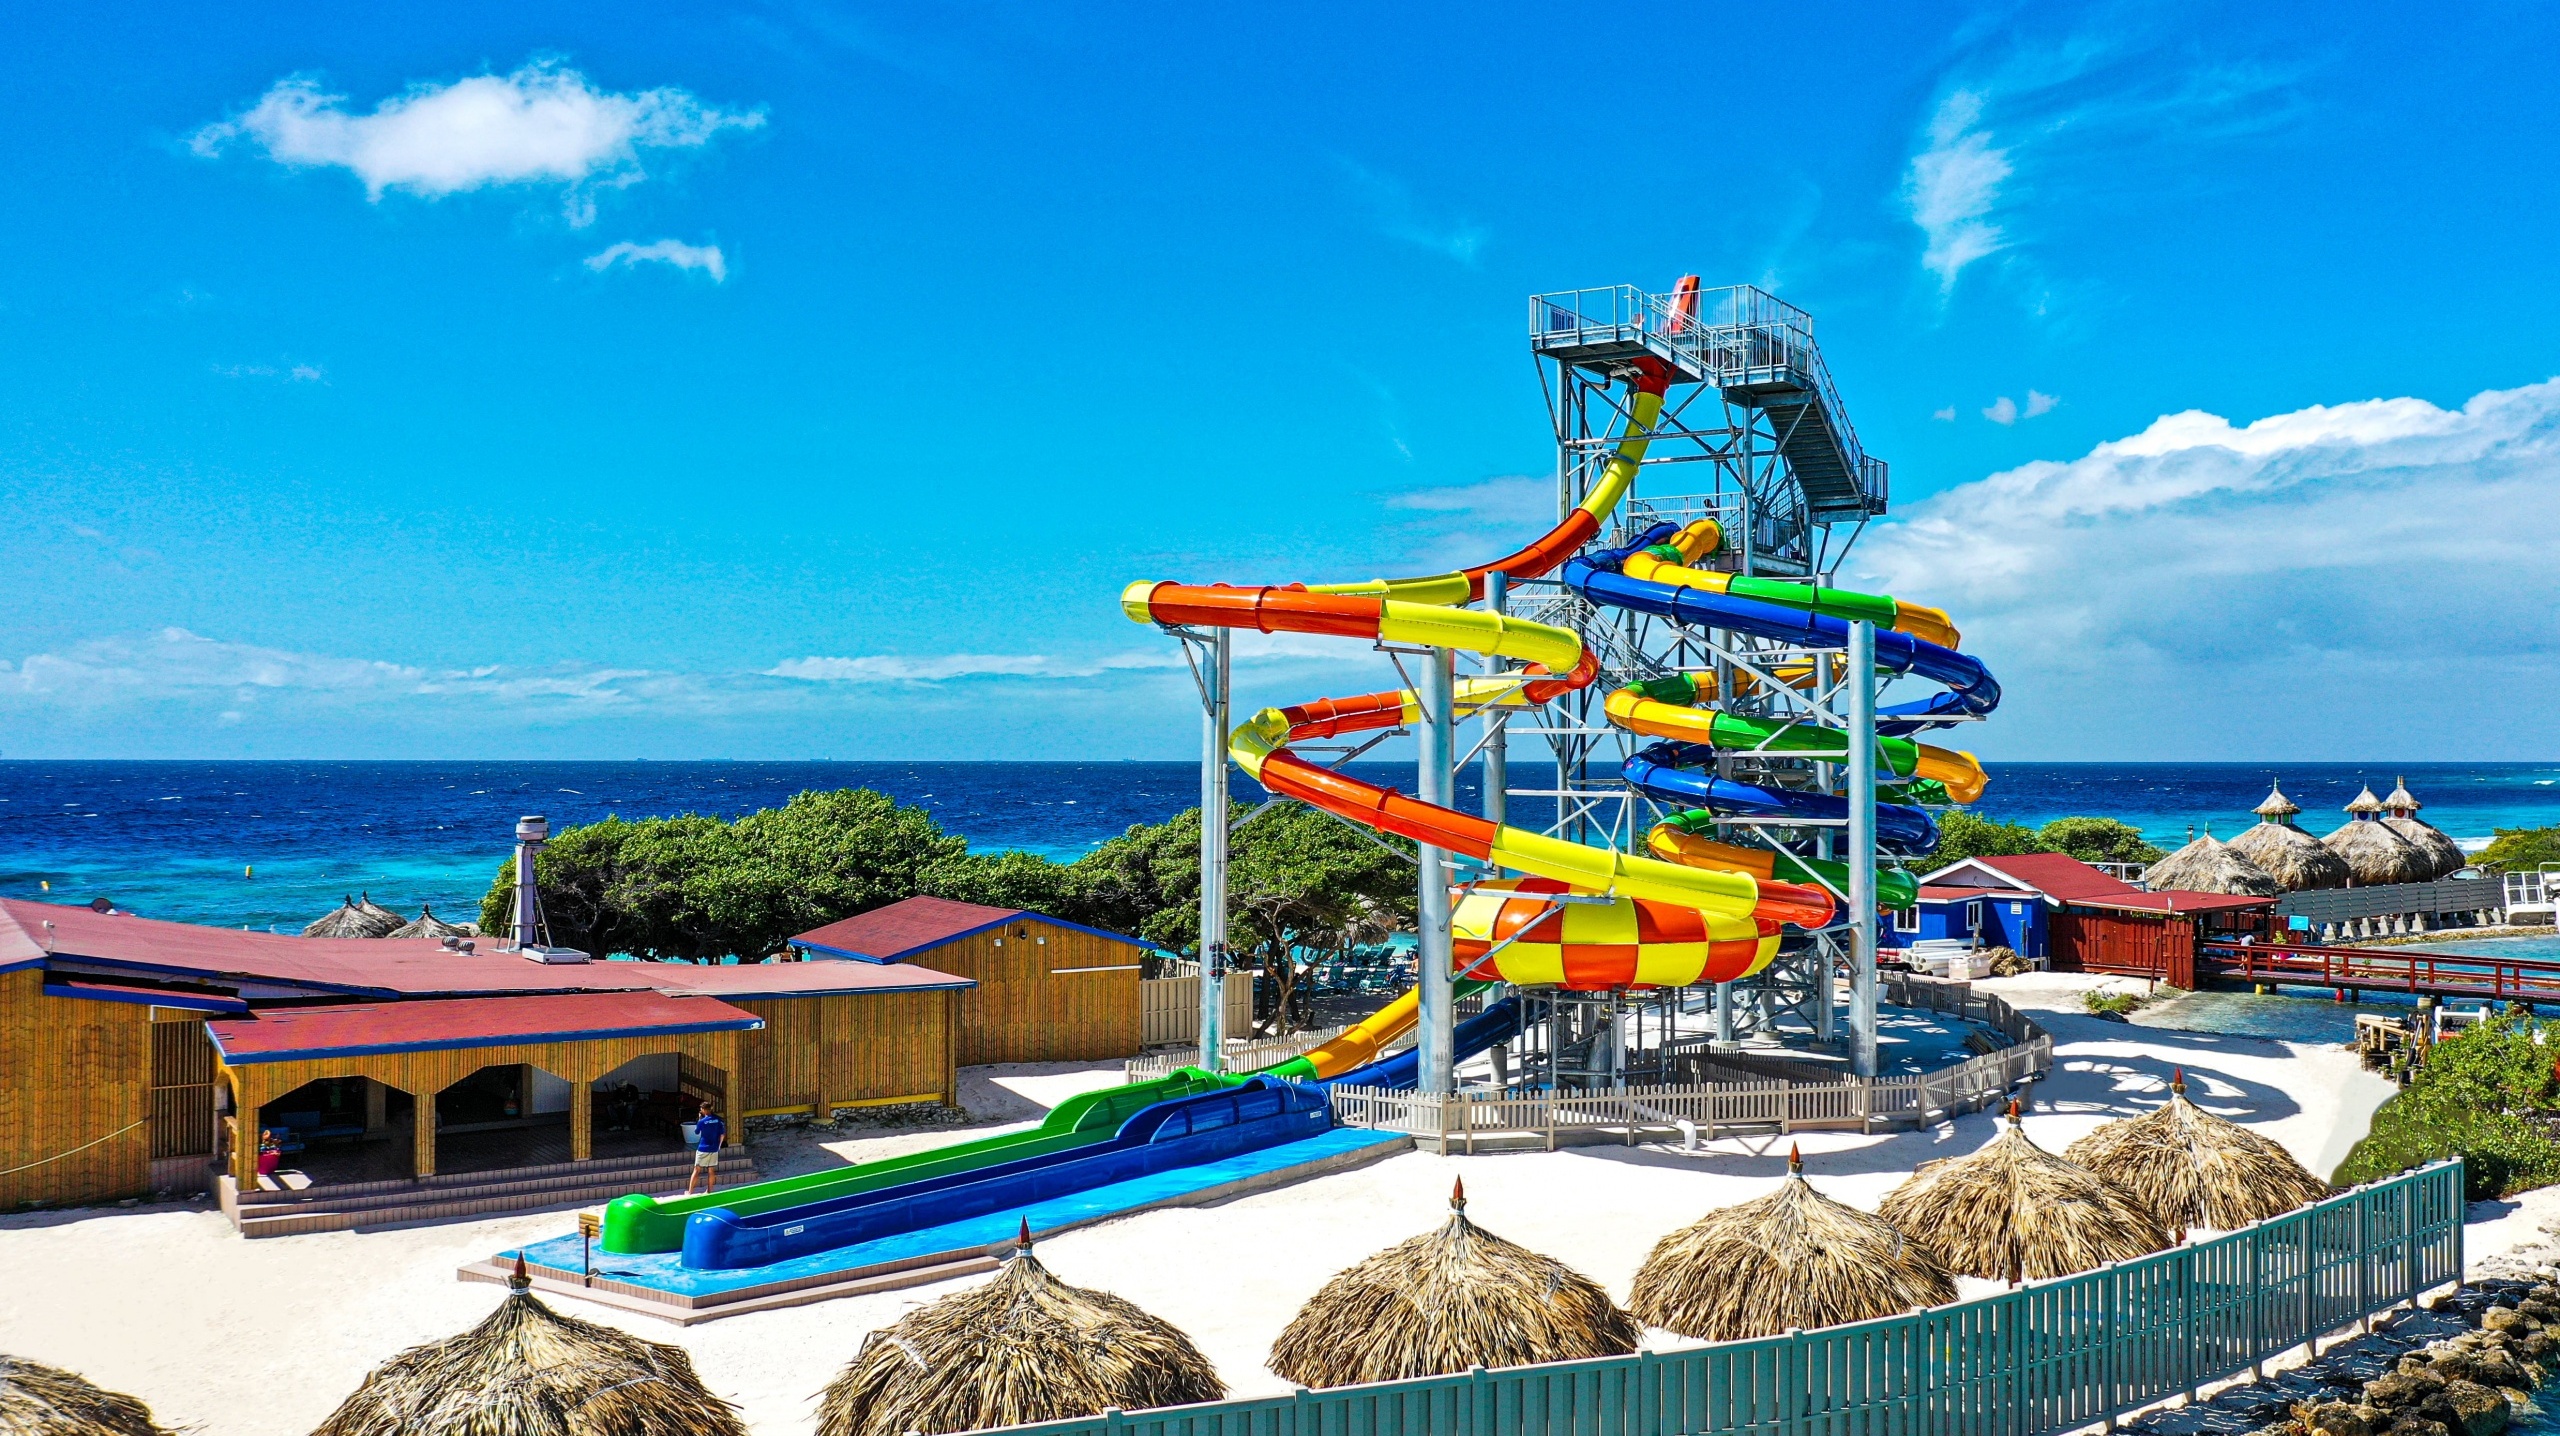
264,1338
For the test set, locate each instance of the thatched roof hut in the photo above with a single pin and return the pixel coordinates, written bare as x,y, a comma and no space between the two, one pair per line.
1445,1301
353,920
2287,853
1022,1347
2194,1169
2208,865
2014,1211
2374,854
529,1371
380,914
2401,816
47,1401
427,925
2364,804
1794,1258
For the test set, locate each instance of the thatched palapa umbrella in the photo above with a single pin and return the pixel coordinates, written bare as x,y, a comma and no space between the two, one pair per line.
2400,815
2014,1211
2208,865
2287,853
47,1401
529,1371
1445,1301
427,925
353,921
1023,1347
2375,854
2194,1169
1794,1258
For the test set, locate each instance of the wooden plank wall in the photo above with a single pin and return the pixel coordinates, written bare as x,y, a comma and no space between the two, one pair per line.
181,1084
75,1117
846,1050
1169,1008
2129,944
1045,993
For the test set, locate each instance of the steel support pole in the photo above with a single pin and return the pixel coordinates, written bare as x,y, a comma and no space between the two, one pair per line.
1435,1040
1497,741
1862,846
1215,688
1826,986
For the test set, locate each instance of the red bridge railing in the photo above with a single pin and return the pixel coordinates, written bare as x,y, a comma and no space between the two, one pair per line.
2384,969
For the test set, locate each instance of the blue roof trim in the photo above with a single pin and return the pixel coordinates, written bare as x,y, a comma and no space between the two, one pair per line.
22,964
189,1001
907,954
380,1049
841,952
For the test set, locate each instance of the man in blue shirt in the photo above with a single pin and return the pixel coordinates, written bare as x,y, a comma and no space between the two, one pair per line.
709,1135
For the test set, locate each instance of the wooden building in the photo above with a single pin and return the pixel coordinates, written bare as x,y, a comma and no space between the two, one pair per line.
1046,990
2097,923
134,1054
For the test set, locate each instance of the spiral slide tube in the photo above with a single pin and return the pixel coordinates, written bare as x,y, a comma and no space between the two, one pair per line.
1415,611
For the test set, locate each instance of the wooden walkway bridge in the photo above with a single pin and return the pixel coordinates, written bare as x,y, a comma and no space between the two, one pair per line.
2383,969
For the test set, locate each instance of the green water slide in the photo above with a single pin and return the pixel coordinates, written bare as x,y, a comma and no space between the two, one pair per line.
637,1223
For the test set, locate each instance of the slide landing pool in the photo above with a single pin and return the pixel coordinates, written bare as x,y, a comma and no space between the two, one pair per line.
660,1284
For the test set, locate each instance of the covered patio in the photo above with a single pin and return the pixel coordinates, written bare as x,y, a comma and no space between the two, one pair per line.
488,1084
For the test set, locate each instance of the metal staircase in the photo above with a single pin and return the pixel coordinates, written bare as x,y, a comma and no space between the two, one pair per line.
1756,350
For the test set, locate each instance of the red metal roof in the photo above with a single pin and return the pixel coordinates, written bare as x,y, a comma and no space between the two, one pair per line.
287,1034
917,924
78,938
2061,878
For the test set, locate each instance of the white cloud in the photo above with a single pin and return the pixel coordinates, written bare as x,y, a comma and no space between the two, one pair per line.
938,668
1945,415
705,257
289,373
2039,403
2021,137
1952,186
543,124
1399,216
2349,578
2003,411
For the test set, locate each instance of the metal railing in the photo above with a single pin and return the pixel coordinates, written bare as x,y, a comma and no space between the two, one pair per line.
2049,1356
1242,1055
1734,336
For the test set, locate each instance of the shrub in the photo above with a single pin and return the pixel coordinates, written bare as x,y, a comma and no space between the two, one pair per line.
2487,1096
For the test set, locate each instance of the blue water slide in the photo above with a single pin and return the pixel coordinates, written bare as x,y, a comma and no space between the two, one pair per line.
1971,690
1665,771
1498,1023
1262,1112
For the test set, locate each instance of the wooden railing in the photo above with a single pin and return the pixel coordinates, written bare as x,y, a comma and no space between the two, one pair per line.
2046,1357
2384,969
1169,1007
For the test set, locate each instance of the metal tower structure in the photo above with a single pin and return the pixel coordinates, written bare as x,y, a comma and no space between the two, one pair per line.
1754,436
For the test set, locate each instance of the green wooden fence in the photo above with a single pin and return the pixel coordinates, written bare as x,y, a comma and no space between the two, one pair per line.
2047,1357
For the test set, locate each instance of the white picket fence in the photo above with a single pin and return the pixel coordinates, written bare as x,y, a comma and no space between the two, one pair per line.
1242,1055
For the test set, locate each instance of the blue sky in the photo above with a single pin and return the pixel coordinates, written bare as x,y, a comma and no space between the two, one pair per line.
773,382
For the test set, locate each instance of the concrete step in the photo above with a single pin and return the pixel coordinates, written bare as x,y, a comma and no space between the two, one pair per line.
324,1209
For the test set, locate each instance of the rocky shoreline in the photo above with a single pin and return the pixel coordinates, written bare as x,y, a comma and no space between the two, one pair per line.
2466,1364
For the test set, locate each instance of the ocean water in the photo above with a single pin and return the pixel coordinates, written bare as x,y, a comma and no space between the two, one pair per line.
180,840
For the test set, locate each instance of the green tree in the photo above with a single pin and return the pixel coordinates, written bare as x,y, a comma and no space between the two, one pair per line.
696,888
1964,835
1007,879
1306,887
2097,840
2486,1095
2521,850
